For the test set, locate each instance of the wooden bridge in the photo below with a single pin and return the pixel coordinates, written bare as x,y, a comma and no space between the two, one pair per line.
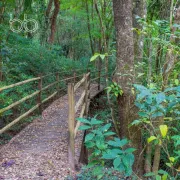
49,147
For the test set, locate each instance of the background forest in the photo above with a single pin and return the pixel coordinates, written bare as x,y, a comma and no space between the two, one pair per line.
136,42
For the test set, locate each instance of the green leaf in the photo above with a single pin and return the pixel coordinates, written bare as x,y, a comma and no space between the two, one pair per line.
123,142
83,120
162,172
176,82
92,163
136,122
164,130
100,143
97,152
94,57
160,97
172,159
116,152
109,133
130,150
142,114
97,170
90,144
152,138
102,56
164,177
95,122
121,168
140,74
89,137
116,162
106,127
169,165
113,143
109,156
84,127
149,174
128,160
158,177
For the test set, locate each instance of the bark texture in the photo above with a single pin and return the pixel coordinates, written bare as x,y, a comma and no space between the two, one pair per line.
125,72
53,20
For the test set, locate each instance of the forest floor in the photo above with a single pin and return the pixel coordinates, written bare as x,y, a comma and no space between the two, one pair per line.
39,152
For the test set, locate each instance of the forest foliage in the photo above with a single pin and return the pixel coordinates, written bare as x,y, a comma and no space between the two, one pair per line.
143,94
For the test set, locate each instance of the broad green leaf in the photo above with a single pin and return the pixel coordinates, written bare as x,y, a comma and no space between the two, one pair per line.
100,143
164,130
172,159
158,177
142,114
136,122
83,120
109,156
118,142
149,174
94,57
92,163
84,127
176,82
121,168
130,150
152,138
162,172
89,137
90,144
109,133
97,152
169,165
100,176
123,142
164,177
106,127
116,152
102,56
113,143
128,160
95,121
116,162
160,97
140,74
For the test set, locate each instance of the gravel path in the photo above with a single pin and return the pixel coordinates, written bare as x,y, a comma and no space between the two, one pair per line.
39,152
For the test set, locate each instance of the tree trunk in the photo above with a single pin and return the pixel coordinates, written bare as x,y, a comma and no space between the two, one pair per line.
125,71
89,27
53,21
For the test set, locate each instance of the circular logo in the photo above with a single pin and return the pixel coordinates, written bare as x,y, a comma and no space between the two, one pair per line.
23,25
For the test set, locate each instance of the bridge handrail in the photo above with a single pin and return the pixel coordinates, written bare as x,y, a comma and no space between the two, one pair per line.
82,105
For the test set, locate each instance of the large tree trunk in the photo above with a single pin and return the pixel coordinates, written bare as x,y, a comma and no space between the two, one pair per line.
125,71
53,21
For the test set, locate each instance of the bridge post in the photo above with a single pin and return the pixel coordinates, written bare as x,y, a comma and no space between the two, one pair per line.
71,124
99,79
74,77
57,79
39,98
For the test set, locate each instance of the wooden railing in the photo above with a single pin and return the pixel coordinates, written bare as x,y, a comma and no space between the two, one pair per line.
81,105
37,93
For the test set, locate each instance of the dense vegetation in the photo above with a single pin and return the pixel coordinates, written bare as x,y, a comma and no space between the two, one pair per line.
138,43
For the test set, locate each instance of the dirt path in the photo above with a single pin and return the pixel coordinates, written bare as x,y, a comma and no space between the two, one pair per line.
39,152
